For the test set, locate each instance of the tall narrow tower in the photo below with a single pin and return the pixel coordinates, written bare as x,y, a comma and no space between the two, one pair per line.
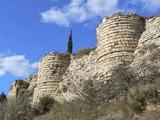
70,44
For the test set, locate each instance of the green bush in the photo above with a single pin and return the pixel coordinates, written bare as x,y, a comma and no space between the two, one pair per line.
2,97
74,110
141,95
16,109
45,105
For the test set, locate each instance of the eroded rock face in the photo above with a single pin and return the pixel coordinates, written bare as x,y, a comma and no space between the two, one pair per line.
147,55
83,81
18,88
23,87
79,70
32,80
118,37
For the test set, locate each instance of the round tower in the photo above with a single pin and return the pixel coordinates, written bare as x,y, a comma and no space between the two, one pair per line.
51,69
117,38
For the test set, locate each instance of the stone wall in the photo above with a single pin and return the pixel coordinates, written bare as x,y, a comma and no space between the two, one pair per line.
119,41
147,54
117,38
83,81
81,69
50,71
32,80
18,88
152,31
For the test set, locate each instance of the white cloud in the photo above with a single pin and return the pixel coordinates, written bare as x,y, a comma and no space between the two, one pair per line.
151,5
56,16
34,65
78,11
16,65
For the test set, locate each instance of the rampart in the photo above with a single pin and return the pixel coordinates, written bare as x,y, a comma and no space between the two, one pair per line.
152,31
50,71
118,38
18,88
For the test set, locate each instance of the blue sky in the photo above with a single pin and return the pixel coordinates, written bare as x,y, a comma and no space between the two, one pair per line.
31,28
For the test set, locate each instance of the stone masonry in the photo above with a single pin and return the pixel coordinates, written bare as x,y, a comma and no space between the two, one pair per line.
117,39
120,38
50,71
18,88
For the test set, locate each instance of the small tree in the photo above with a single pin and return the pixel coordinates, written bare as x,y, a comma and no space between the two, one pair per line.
2,97
70,44
45,105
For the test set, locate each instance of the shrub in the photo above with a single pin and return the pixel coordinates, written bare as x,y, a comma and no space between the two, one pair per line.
74,110
140,96
83,52
88,92
17,109
2,110
45,105
3,97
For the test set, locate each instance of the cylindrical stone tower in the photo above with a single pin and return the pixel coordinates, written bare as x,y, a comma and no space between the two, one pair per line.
117,38
50,72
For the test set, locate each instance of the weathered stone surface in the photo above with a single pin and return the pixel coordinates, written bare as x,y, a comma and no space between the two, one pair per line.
147,55
50,71
18,88
32,80
79,70
118,37
119,41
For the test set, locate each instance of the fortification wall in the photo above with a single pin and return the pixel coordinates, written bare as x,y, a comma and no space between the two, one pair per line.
147,62
18,88
152,31
117,38
32,80
51,69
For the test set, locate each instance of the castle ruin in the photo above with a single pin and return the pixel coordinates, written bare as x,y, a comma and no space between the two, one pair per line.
117,39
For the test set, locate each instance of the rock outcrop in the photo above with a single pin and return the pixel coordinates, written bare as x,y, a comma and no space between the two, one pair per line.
147,55
18,88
